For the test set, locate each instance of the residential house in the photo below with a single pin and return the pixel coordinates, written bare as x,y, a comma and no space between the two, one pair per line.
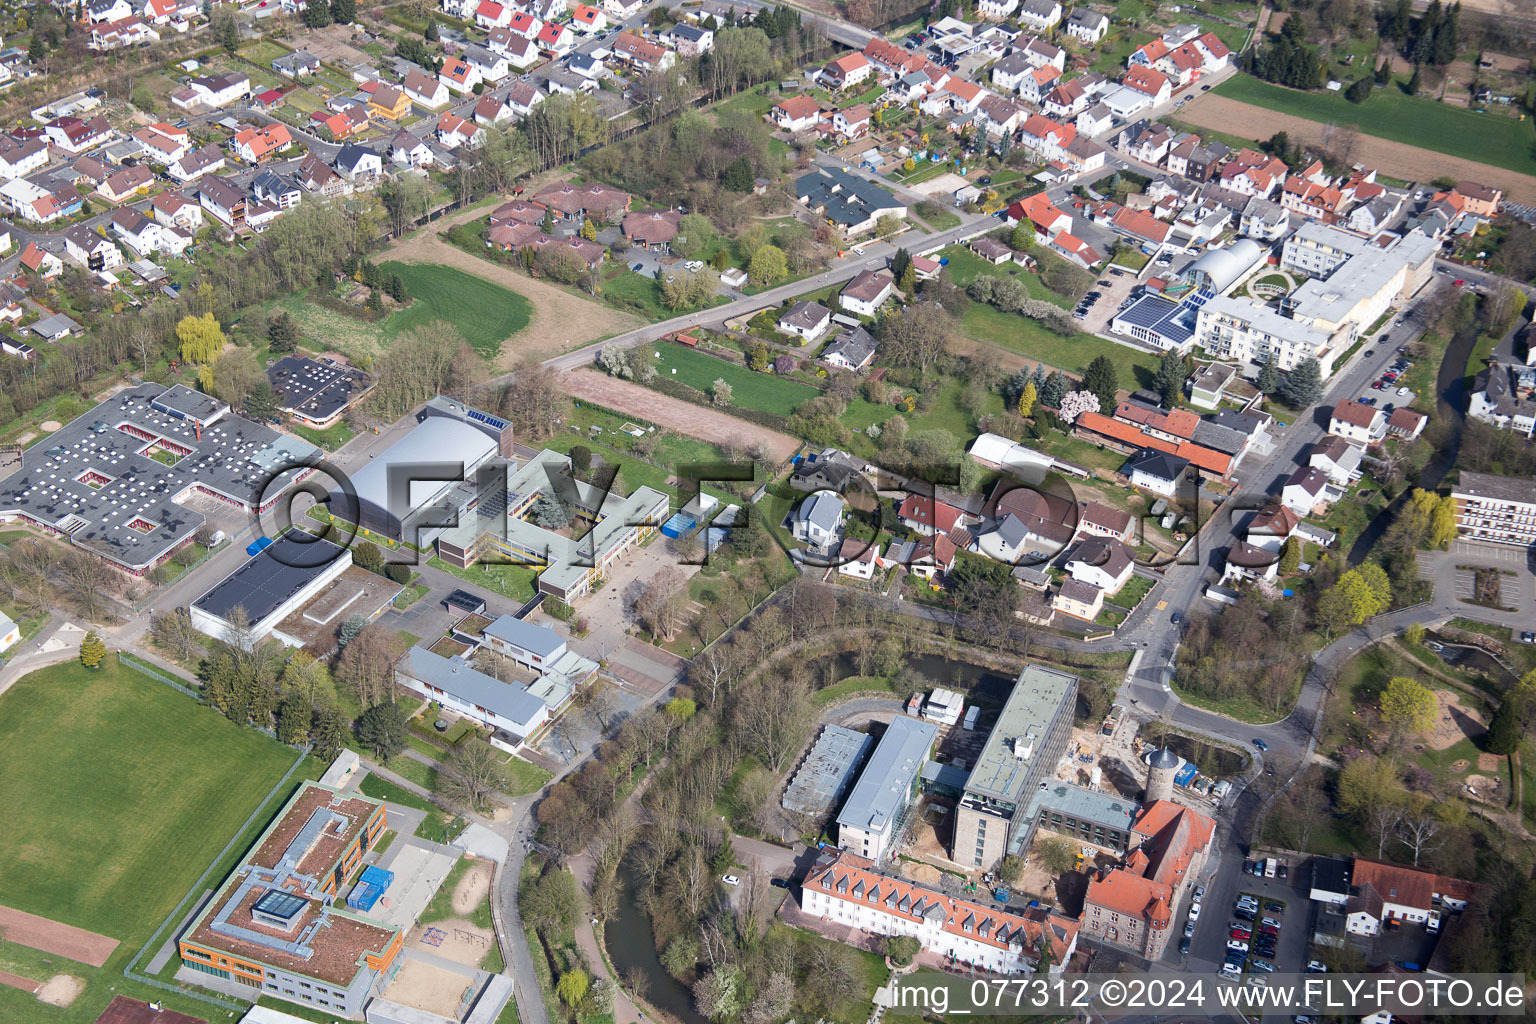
525,24
690,40
652,229
454,131
867,292
123,185
1076,251
407,150
1390,895
101,11
858,559
1406,423
991,250
519,50
558,40
1358,422
1480,200
927,556
492,15
170,12
121,34
890,60
91,250
20,158
852,350
1041,53
73,135
999,116
1045,137
258,145
622,9
174,210
588,20
213,91
818,520
164,143
1305,490
928,516
297,64
1039,15
805,319
459,75
1338,458
427,90
1078,599
40,205
1103,563
315,175
853,122
522,98
358,164
1065,101
641,53
848,201
142,235
1157,471
848,70
41,262
492,67
996,10
275,189
1086,25
796,113
600,203
1009,73
222,199
1150,83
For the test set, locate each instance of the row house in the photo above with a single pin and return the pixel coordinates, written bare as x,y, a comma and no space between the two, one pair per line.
454,131
641,53
1310,199
258,145
890,60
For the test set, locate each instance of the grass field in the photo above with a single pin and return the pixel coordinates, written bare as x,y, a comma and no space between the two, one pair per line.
485,313
106,772
1390,114
764,392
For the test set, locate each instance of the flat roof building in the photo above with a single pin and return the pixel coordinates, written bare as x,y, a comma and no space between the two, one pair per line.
113,480
274,583
1024,746
827,771
274,926
317,393
1500,509
875,814
457,685
1103,819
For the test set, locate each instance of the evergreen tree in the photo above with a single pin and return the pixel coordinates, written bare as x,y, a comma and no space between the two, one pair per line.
1359,90
1401,21
1103,379
316,15
1170,379
1303,386
229,34
1039,376
1412,88
738,176
1013,388
908,280
382,729
899,263
1384,73
1446,33
92,650
1269,376
37,49
1053,390
343,12
431,34
1028,399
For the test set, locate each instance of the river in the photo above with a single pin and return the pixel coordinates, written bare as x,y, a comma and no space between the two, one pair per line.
631,945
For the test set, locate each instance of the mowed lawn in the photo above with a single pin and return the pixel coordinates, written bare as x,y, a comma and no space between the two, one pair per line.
1390,114
485,313
118,793
764,392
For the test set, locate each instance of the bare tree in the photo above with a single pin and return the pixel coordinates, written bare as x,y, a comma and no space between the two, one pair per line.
662,602
173,633
600,705
773,714
472,774
367,664
637,981
1382,821
86,579
1419,830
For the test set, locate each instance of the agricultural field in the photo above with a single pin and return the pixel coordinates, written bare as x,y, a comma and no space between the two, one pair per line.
485,314
1391,114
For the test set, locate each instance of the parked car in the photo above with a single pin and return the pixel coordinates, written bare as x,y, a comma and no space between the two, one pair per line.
1274,908
1402,391
731,880
1199,893
1183,945
1194,911
1189,929
1284,872
779,883
1260,743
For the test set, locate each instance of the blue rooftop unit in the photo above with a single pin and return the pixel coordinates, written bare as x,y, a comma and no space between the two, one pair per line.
371,884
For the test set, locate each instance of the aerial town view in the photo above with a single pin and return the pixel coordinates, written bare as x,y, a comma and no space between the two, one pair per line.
764,511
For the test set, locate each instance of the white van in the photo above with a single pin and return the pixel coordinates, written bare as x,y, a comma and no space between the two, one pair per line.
1269,867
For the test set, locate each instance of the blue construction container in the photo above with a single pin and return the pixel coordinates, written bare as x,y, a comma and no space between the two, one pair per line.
258,545
371,884
678,525
1185,774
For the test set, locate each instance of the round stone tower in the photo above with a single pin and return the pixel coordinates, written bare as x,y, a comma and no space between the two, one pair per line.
1162,766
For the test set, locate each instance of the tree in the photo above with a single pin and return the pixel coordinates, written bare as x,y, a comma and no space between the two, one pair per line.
550,512
1420,827
1384,72
261,402
1359,90
1103,379
1057,854
201,338
1303,386
234,374
535,403
92,650
573,984
1290,556
738,176
316,15
1028,399
382,729
343,12
916,336
1414,81
1349,602
902,949
1170,379
757,357
1408,707
295,714
1367,782
472,773
589,230
581,459
888,225
367,664
720,393
431,35
229,34
1054,390
283,332
1269,376
350,627
900,263
1010,870
1076,403
767,265
366,555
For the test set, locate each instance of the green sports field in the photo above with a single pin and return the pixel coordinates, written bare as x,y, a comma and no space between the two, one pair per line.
118,793
1390,114
485,313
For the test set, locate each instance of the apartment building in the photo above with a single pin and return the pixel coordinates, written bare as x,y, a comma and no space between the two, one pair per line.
874,817
1030,736
1501,509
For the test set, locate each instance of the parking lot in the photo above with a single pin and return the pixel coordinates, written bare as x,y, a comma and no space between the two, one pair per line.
1219,911
1385,393
1115,286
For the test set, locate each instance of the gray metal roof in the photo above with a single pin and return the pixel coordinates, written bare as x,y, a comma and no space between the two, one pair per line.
540,641
1162,757
437,439
823,509
455,677
1085,805
885,785
847,198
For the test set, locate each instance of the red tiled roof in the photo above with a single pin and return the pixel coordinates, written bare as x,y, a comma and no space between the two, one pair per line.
919,508
1352,412
1205,459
